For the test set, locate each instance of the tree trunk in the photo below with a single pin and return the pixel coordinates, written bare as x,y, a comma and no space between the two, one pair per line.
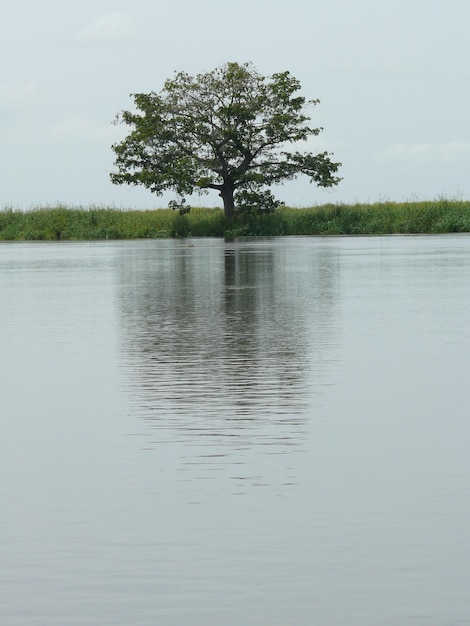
226,193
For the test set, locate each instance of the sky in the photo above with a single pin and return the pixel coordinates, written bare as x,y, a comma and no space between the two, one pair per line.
392,79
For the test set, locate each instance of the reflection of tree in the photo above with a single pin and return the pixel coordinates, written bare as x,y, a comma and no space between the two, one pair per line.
220,336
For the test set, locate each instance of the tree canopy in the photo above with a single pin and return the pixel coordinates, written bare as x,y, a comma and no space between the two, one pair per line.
229,130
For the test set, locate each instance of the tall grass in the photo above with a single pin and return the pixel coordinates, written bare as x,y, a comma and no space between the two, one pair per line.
68,223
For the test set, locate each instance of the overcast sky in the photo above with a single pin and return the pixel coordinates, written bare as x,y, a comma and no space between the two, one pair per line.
392,77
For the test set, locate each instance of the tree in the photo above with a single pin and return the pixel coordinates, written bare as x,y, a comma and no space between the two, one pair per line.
227,130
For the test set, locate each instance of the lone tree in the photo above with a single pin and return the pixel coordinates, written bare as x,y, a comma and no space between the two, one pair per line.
227,130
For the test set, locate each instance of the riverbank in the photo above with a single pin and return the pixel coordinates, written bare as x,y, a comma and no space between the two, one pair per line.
69,223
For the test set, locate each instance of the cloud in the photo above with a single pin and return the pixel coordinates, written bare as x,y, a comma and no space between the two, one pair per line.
83,128
13,98
112,28
427,151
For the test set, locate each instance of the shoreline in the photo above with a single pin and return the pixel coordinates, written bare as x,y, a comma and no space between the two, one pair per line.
67,223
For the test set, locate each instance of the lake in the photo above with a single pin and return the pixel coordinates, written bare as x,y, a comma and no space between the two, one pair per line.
267,432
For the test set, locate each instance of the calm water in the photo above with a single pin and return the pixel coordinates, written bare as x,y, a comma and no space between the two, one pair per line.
265,432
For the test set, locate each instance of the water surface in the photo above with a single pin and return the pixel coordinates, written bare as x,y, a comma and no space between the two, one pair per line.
264,432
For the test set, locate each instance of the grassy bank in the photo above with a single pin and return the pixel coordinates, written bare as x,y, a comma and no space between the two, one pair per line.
68,223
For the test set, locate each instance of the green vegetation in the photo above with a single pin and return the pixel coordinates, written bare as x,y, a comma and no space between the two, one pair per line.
68,223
